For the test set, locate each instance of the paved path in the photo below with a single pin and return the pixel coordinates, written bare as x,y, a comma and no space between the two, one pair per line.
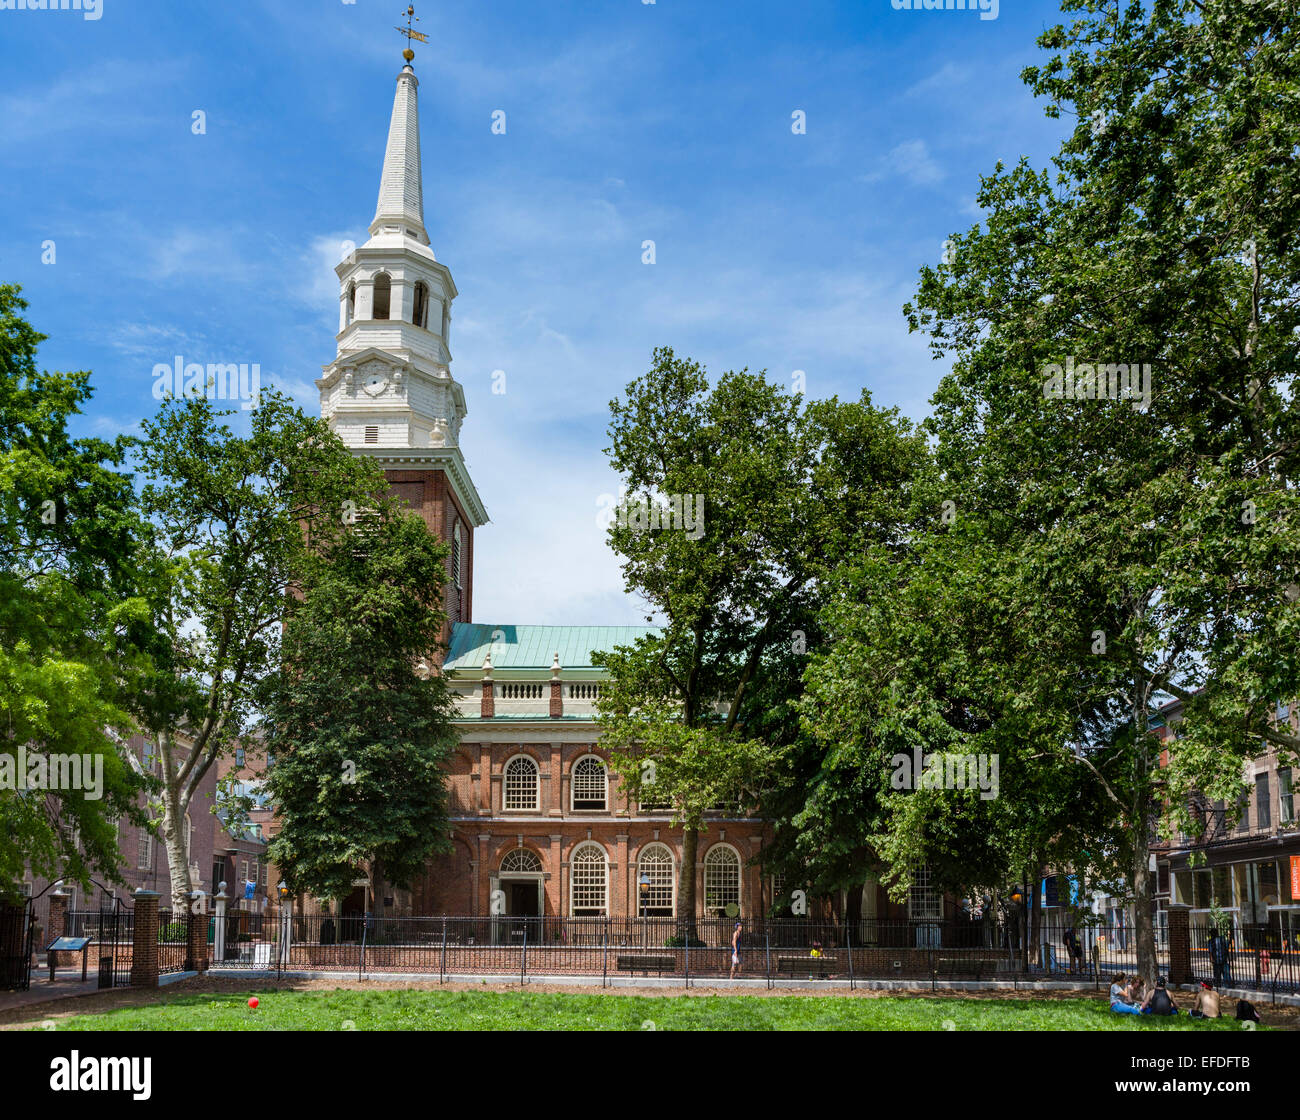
68,984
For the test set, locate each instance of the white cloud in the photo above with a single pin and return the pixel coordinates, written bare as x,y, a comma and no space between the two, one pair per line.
910,160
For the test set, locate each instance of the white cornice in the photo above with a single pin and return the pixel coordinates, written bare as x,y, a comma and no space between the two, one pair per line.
449,459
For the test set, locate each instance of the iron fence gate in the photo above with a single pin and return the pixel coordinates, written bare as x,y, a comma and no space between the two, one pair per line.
16,933
114,964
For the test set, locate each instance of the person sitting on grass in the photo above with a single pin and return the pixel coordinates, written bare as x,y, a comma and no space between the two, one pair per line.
1160,1002
1206,1005
1121,1001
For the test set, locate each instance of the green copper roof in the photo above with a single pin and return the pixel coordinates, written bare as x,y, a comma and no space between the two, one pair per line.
533,647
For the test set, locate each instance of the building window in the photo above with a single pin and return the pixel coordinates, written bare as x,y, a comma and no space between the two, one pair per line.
383,292
239,756
654,882
721,878
520,859
149,758
352,303
587,873
263,879
243,874
455,556
1285,803
1263,805
924,903
589,786
420,306
218,874
144,850
521,783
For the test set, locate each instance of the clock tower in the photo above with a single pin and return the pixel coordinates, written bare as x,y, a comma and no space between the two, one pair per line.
389,393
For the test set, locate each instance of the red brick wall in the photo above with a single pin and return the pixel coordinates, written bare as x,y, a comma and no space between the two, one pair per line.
460,883
428,492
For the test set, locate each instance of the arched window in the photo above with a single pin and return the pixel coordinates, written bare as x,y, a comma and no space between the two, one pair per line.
521,783
383,292
352,302
587,876
589,786
520,859
654,882
721,878
420,307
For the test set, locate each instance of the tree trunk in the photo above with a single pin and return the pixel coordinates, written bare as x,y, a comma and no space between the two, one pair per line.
686,884
176,841
1143,927
377,892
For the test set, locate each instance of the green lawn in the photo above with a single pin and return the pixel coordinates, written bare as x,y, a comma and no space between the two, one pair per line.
460,1010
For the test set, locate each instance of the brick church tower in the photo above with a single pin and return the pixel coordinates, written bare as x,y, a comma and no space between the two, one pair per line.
389,393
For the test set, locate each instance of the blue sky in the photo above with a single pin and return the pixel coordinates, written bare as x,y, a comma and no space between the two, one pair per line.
625,122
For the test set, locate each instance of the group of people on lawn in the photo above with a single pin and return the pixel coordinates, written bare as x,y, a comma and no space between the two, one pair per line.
1129,996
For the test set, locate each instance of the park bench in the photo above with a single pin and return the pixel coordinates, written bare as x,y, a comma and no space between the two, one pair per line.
806,966
645,962
962,968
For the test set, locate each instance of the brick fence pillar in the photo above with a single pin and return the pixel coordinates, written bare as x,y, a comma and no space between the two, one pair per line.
487,700
557,695
196,934
1180,946
58,924
144,945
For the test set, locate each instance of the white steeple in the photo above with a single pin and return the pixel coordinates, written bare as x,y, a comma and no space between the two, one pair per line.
389,392
401,193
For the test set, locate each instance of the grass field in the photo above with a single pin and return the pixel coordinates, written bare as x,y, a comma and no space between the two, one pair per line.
423,1010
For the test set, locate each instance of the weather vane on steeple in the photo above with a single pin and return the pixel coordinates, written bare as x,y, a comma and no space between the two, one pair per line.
410,34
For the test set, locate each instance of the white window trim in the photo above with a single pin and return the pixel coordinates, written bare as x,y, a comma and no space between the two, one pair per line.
573,784
537,786
740,876
604,865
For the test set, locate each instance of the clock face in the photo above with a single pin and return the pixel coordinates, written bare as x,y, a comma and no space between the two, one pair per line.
374,382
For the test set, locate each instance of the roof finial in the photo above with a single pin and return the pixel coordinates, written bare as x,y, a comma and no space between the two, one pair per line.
410,34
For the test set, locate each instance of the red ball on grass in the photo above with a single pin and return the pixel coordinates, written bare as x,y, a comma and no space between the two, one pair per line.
252,1001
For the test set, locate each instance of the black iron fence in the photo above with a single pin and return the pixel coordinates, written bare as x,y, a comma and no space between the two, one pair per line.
111,931
1263,958
173,941
781,948
17,932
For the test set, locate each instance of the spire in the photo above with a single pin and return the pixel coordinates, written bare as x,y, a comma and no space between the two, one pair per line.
401,193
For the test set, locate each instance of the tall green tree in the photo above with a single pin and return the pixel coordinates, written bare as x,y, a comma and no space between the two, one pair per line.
780,490
238,522
1145,546
71,620
358,730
